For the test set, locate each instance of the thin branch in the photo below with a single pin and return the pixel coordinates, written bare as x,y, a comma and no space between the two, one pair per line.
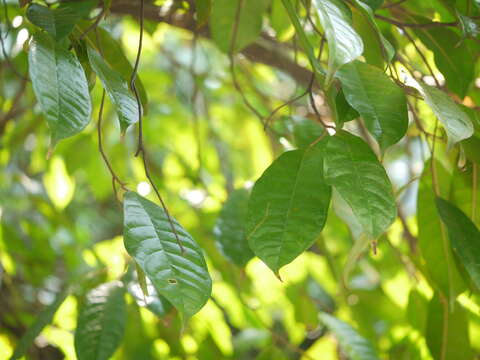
413,25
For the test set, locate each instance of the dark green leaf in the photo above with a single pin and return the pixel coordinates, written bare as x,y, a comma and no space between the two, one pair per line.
344,44
204,7
353,170
447,331
181,277
306,131
60,21
229,229
43,319
117,89
101,322
385,116
355,346
288,207
60,86
464,237
249,26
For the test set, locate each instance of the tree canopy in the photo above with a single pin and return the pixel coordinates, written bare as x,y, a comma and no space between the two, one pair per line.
239,179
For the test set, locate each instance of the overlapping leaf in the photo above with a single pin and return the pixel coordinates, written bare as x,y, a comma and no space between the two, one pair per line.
464,237
381,103
355,346
101,322
353,170
288,206
344,44
117,89
230,228
60,86
182,277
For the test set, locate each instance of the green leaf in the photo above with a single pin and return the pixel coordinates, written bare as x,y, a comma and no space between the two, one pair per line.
457,124
355,346
229,229
464,237
117,90
373,4
432,239
385,116
279,19
59,22
60,86
203,8
454,62
288,207
344,44
354,171
101,322
447,331
306,131
43,319
181,277
113,54
224,16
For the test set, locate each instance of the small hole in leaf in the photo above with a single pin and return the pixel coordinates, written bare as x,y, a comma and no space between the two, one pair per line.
172,281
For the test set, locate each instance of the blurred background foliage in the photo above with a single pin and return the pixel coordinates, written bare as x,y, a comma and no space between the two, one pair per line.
61,224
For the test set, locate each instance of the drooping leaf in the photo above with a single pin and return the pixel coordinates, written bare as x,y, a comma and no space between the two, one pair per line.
229,228
345,112
43,319
385,115
249,26
59,22
114,55
288,206
101,322
181,277
60,87
117,89
432,239
447,331
457,124
306,131
354,171
355,346
464,237
344,44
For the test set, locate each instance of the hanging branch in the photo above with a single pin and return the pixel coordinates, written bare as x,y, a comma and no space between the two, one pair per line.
141,148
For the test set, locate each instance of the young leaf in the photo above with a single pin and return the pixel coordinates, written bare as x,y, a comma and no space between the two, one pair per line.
288,207
101,322
344,44
59,22
457,124
60,86
385,116
182,277
464,237
447,331
117,90
43,319
353,170
249,26
355,346
229,229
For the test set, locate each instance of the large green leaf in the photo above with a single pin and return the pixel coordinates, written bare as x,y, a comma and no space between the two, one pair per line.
59,22
464,237
60,86
43,319
101,322
117,89
229,229
288,206
182,277
447,331
355,346
432,239
354,171
456,122
344,44
385,116
249,26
